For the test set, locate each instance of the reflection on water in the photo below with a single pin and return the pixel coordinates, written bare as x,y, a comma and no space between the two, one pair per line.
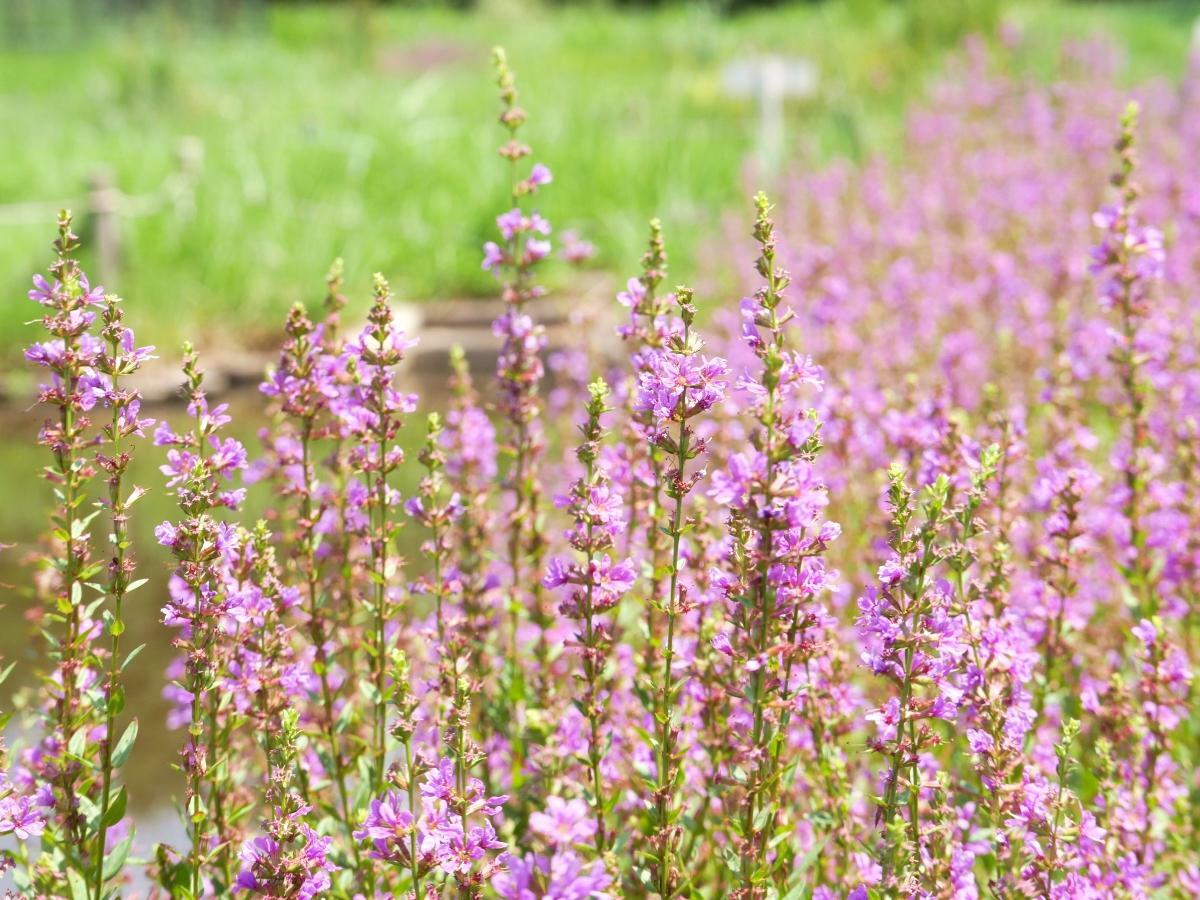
152,781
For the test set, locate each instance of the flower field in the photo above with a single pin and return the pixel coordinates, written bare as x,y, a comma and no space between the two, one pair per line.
880,581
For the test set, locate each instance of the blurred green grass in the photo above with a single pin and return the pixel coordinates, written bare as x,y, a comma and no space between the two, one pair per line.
370,133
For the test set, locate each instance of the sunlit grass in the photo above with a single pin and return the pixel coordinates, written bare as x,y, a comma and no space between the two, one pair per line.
326,132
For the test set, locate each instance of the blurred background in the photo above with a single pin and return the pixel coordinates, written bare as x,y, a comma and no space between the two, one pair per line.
220,153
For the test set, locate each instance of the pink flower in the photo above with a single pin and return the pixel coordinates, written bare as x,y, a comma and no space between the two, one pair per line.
563,822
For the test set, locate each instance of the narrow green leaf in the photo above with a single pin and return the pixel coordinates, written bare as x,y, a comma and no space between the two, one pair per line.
78,743
132,655
114,860
116,808
79,887
125,745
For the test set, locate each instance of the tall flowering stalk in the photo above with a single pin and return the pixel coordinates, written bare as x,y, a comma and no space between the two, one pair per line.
71,356
645,332
291,859
306,386
1061,557
996,698
372,414
469,442
595,587
434,822
120,359
519,368
199,465
470,856
916,644
437,512
776,502
1128,262
677,385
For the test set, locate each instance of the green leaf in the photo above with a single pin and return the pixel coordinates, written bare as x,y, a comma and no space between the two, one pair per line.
90,811
114,860
132,655
125,745
78,743
79,887
116,808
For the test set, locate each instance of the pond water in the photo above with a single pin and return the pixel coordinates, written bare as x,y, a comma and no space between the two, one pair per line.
153,783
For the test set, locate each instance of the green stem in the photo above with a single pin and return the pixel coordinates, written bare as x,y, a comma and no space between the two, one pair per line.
317,631
414,861
117,589
592,676
665,748
380,551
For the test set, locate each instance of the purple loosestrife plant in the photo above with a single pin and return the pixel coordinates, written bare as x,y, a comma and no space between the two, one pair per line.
436,822
1128,263
199,466
70,357
677,384
79,696
469,854
1062,554
121,358
469,443
776,502
76,759
558,871
1026,692
291,859
519,370
645,332
307,386
372,412
997,702
437,512
916,644
392,824
594,587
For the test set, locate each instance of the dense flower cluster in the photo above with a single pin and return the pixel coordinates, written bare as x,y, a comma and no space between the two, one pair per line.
881,583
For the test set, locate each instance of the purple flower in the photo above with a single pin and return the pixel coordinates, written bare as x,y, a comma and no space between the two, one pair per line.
457,853
19,815
562,876
388,825
1145,632
493,256
563,822
301,870
575,249
677,386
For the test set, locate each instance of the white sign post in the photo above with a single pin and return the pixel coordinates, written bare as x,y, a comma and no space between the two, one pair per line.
772,80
